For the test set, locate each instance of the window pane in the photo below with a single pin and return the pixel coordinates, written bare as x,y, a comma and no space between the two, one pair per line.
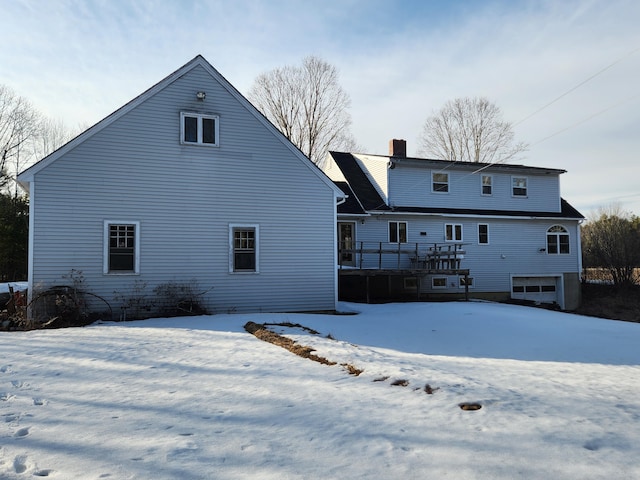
208,130
449,232
440,182
548,288
458,232
191,129
121,247
244,251
402,227
439,282
486,184
519,186
393,232
518,289
564,243
483,233
532,288
552,244
245,261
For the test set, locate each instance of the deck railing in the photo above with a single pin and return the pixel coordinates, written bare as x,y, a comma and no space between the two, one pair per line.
401,256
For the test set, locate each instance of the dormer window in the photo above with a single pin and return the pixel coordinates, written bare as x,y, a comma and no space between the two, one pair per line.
199,129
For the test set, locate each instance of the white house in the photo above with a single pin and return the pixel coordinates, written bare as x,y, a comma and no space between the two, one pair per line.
187,183
423,223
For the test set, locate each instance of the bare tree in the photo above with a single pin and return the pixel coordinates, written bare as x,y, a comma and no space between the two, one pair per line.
50,135
307,105
611,240
469,130
18,124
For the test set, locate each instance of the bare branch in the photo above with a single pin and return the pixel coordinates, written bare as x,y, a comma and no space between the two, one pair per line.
469,130
307,105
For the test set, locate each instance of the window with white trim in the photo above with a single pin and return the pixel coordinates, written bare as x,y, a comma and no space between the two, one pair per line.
439,182
487,185
483,234
519,186
453,232
199,129
397,232
244,241
439,282
557,240
121,247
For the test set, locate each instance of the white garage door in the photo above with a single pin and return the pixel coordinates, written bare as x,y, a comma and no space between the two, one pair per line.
536,289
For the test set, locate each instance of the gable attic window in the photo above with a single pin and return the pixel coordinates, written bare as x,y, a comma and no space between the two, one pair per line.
519,186
121,247
199,129
439,182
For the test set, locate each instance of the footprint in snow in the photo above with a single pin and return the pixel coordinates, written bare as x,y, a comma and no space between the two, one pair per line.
39,401
6,396
11,417
20,464
19,384
5,369
23,432
43,473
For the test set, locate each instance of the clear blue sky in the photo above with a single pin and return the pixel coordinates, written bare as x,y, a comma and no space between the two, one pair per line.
398,60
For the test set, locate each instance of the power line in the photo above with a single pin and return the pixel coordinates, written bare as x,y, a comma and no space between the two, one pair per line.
587,118
577,86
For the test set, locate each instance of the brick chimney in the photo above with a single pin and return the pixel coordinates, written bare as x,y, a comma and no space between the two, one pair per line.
397,148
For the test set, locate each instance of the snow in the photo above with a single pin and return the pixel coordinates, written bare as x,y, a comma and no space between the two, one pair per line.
199,398
17,286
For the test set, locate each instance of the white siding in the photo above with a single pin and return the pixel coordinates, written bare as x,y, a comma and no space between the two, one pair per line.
410,186
185,197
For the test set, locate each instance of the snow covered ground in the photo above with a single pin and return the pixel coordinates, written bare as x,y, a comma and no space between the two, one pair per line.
199,398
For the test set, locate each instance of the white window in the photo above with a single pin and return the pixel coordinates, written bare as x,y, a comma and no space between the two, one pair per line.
483,234
439,182
199,129
453,232
439,282
557,240
121,247
519,186
462,281
397,232
243,246
487,185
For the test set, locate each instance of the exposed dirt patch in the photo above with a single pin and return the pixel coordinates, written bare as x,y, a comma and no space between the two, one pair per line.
262,332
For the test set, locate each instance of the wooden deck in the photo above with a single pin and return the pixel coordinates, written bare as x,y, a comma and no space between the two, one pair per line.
402,260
